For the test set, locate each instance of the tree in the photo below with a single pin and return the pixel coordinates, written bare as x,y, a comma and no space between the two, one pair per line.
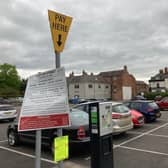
10,81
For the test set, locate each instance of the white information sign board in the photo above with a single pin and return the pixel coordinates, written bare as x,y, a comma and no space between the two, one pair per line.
45,102
105,118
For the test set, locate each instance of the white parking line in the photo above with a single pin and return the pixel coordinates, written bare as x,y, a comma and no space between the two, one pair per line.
135,132
163,136
25,154
139,136
3,141
142,150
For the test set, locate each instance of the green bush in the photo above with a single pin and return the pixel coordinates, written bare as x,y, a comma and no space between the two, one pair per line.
152,95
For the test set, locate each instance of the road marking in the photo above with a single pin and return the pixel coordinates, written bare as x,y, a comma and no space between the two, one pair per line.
25,154
146,151
139,136
3,141
135,132
164,136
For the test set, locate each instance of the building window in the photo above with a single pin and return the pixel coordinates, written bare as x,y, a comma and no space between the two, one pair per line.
90,86
76,86
107,86
158,85
99,86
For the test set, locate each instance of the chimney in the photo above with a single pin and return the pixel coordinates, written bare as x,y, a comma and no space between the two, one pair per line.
125,68
166,70
84,73
71,74
161,71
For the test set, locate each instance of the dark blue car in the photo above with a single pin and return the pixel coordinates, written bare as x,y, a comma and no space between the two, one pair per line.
149,109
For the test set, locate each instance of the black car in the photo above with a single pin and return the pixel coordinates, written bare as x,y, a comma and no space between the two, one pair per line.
78,132
148,108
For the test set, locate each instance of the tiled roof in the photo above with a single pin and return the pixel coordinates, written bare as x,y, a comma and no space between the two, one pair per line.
159,77
86,79
112,73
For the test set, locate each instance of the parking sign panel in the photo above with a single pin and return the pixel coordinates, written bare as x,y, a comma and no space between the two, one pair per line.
45,102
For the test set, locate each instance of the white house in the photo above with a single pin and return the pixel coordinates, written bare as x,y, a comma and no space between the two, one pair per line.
159,82
88,87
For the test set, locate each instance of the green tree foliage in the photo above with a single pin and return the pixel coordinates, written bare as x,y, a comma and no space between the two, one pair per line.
10,81
152,95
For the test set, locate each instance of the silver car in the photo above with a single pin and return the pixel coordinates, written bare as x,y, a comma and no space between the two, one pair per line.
7,112
121,117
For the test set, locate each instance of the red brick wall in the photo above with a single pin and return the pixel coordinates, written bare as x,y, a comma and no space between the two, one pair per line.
117,82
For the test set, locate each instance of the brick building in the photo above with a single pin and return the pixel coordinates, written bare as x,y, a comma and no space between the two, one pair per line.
141,87
123,84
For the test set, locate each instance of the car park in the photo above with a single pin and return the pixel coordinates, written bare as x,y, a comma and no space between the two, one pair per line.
137,118
149,109
78,132
7,112
121,117
163,103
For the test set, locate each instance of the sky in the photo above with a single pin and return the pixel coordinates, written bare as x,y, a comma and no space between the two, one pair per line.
104,36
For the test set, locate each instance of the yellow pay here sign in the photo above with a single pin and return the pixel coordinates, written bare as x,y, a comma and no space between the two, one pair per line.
59,25
61,149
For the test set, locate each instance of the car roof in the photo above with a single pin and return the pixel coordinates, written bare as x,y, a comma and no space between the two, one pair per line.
141,101
113,103
88,102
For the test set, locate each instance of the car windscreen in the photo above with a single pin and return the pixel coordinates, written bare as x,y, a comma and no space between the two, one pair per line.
153,105
79,117
120,108
6,107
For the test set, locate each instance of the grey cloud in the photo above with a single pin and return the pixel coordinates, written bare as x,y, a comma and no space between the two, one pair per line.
104,35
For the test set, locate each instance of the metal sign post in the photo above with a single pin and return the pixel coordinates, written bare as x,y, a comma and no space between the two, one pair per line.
59,131
59,25
38,149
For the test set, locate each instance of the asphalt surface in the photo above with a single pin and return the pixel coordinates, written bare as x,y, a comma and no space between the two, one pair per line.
145,147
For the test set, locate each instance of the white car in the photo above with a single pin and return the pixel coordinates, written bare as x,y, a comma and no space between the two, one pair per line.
121,116
7,112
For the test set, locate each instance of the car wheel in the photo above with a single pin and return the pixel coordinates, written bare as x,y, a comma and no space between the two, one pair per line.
13,138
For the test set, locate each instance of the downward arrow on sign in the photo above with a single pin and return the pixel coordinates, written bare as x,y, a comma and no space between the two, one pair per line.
59,42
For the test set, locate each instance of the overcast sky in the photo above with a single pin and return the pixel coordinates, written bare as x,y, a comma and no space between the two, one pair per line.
105,35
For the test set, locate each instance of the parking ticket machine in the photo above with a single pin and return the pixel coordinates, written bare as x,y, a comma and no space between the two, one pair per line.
100,125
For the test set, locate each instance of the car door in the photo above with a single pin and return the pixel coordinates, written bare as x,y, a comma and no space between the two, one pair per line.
165,103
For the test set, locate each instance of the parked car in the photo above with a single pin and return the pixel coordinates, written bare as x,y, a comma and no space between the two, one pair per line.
149,109
138,97
7,112
158,98
137,118
163,103
121,117
78,132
